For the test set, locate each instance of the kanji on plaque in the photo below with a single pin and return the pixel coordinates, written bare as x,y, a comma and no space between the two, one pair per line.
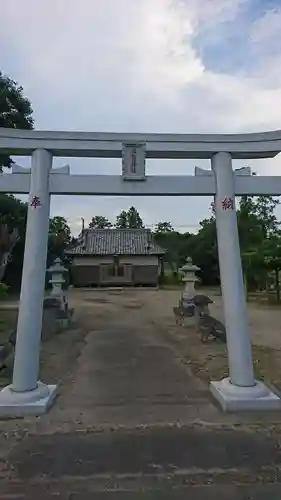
35,202
134,161
227,204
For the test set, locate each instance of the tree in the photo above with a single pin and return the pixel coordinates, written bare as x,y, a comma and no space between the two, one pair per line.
122,220
129,219
175,244
100,222
164,227
261,212
59,237
202,248
12,227
13,211
15,111
58,227
251,232
257,223
264,209
164,236
270,253
134,219
8,240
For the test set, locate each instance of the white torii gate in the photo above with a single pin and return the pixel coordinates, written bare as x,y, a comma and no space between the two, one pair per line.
240,391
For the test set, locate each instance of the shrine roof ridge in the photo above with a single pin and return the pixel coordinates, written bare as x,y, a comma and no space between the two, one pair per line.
109,145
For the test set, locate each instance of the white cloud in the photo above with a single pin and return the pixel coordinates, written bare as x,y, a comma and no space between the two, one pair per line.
132,66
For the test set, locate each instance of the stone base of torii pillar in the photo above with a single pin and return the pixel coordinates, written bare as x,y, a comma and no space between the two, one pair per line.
20,404
233,398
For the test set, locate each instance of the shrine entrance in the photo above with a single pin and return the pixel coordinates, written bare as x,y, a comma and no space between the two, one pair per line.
115,274
240,391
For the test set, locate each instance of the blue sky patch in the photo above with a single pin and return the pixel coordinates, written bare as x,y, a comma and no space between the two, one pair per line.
227,47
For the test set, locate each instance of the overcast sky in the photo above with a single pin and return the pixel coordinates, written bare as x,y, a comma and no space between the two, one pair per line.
179,66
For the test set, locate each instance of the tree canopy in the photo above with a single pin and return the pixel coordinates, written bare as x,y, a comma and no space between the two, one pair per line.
164,227
59,237
12,221
129,219
100,222
15,110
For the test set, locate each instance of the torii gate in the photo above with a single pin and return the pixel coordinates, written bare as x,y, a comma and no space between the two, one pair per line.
240,391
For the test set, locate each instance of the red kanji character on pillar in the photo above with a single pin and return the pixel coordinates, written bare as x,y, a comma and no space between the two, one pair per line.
227,204
35,202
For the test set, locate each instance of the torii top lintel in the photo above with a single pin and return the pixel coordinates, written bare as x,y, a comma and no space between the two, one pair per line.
109,145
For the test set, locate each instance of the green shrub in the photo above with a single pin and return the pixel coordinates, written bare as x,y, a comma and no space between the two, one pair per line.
170,279
4,289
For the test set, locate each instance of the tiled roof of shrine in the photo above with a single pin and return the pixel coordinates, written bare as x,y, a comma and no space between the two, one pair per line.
116,242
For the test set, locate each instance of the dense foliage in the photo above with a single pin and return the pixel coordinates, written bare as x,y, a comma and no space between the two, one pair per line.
15,110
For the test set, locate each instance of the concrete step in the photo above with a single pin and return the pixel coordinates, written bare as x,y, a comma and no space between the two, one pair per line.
193,462
87,491
163,450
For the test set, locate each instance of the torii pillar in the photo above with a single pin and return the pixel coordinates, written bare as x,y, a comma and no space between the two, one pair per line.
26,395
240,391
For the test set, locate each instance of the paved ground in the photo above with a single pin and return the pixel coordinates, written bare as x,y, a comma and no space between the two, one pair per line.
131,420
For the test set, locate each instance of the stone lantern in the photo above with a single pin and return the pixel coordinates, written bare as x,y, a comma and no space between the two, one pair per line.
56,314
189,279
57,271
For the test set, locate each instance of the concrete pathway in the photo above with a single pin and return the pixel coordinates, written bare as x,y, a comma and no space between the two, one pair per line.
127,375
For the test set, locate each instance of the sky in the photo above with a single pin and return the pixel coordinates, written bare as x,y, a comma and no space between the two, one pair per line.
176,66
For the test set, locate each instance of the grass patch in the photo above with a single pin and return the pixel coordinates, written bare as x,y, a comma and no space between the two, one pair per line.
58,354
264,299
209,360
8,321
